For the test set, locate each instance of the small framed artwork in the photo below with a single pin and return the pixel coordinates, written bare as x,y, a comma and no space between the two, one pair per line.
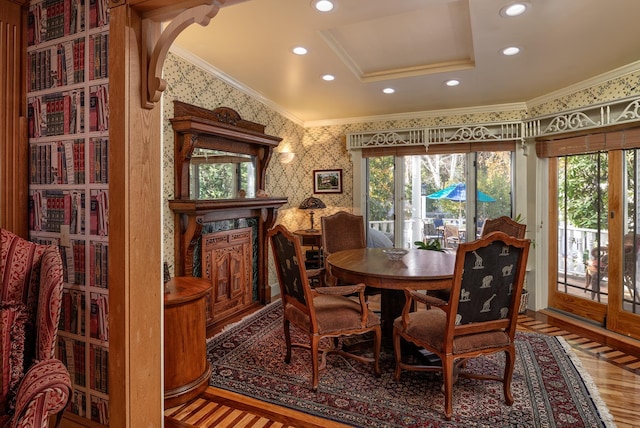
327,181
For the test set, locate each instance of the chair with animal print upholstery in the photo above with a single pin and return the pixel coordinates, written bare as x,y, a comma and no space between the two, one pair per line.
479,318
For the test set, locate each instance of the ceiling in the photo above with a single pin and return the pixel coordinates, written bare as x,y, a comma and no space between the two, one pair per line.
413,46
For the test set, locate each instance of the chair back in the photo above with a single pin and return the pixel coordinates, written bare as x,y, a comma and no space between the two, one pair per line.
438,222
430,230
488,281
32,274
289,263
342,231
504,224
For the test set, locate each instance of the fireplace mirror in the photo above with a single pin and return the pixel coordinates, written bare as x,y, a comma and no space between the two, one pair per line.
217,174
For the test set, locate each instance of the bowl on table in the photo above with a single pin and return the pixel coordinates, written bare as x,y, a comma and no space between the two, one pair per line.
395,253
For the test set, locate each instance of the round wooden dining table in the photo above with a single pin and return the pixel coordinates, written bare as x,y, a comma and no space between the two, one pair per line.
418,269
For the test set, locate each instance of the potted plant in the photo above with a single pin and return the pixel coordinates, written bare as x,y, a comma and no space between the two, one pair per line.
430,244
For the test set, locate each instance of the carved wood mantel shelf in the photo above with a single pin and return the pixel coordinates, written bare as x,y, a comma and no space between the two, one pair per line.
221,129
195,213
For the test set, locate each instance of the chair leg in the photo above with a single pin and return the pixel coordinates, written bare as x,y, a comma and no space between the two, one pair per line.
397,353
447,380
287,339
376,351
508,374
315,343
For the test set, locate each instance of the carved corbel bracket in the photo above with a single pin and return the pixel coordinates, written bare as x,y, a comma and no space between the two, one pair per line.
158,46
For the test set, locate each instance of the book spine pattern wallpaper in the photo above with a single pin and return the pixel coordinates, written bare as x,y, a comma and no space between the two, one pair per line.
68,120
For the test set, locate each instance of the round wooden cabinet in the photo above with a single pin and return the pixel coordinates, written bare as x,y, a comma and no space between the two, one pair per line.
186,369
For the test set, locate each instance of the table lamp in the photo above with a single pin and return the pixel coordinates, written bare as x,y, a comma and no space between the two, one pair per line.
311,204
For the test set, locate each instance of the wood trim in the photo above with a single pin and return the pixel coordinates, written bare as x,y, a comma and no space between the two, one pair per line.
14,147
440,149
135,235
600,141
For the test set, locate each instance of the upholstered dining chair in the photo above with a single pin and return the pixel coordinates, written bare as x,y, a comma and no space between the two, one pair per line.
320,313
504,224
500,224
479,318
341,231
34,384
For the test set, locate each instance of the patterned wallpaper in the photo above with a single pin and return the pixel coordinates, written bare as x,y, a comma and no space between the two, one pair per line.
322,147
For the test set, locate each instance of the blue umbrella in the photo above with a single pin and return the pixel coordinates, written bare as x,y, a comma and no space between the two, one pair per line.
458,192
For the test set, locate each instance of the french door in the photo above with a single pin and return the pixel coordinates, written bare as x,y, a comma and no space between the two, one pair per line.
594,266
403,199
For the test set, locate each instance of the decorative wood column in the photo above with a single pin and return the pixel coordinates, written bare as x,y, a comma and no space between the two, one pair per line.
14,148
135,229
135,234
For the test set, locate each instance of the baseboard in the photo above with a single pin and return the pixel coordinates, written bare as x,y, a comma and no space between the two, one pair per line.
275,291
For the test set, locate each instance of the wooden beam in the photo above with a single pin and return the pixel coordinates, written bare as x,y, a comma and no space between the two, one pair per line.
135,234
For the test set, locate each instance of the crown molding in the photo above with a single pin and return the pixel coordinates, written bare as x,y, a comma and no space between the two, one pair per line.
196,60
420,115
585,84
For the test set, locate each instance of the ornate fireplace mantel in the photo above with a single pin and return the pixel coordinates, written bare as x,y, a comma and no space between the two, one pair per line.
219,129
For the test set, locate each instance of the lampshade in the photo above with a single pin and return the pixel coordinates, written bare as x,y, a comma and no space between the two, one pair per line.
311,204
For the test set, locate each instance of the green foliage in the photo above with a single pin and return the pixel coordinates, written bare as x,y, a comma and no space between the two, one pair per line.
430,244
582,191
214,181
380,187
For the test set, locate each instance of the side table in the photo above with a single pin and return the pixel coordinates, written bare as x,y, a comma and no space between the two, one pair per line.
186,369
312,239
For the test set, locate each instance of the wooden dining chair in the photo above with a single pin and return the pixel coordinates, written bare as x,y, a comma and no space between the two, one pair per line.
341,231
504,224
479,318
500,224
323,312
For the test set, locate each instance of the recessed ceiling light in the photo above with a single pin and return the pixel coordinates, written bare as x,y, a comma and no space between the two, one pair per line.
388,90
515,9
328,77
323,5
452,82
511,50
299,50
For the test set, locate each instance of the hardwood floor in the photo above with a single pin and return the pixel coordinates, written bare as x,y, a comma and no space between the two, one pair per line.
612,363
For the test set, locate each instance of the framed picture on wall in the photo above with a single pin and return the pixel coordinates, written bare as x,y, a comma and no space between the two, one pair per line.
327,181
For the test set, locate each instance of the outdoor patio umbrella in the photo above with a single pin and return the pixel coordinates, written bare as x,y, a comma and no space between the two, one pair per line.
458,192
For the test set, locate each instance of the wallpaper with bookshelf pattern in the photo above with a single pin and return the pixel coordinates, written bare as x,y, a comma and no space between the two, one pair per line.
322,147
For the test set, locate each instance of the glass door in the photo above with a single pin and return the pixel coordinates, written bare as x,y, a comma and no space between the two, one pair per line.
595,263
582,262
424,197
624,300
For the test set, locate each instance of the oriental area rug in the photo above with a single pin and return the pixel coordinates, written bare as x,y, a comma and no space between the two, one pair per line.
549,387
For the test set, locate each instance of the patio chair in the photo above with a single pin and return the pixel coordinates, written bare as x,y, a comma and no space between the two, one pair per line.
320,313
430,232
451,235
480,317
439,225
597,268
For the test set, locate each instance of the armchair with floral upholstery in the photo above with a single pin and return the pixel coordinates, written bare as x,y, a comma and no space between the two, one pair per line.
34,384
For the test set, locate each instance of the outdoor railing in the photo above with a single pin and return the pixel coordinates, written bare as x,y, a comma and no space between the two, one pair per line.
579,242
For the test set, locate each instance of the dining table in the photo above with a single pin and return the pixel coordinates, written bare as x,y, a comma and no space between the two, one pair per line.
417,269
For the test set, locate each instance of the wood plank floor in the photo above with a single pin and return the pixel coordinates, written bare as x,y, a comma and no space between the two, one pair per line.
614,367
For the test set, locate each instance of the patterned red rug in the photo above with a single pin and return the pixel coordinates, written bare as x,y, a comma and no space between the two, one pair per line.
549,387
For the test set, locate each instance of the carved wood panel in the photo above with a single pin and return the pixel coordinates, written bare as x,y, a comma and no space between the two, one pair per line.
227,262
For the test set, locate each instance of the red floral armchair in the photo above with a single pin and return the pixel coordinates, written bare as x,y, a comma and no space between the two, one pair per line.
34,385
